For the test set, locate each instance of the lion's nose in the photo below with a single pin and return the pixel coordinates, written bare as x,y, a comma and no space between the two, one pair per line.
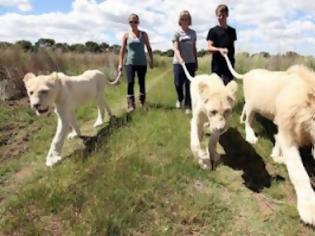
37,105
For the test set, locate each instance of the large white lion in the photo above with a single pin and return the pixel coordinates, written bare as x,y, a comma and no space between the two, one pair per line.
212,104
65,94
288,99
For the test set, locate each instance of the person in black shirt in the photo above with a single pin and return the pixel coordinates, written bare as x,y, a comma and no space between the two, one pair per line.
221,40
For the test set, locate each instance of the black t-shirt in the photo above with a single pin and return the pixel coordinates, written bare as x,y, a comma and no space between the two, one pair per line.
222,38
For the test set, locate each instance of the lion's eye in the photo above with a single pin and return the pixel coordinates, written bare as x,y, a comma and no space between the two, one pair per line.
227,111
43,92
213,112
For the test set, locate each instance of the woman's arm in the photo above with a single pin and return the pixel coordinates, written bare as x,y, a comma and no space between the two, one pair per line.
122,52
177,51
149,49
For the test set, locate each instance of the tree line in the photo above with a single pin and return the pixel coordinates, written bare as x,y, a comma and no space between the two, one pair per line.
94,47
89,46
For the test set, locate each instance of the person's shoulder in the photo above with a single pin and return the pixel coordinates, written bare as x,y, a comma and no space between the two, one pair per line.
126,34
216,27
231,28
192,32
178,31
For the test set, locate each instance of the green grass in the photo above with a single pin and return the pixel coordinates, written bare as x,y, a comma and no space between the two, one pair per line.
143,180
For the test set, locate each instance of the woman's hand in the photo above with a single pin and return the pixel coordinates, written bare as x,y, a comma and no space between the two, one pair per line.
120,68
151,64
181,60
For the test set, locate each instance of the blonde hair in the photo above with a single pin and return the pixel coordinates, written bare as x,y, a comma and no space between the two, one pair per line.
183,14
133,15
222,8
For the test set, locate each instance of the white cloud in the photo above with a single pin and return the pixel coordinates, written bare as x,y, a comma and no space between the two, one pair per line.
23,5
272,26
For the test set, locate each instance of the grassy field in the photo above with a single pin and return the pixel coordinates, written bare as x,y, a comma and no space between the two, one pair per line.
137,176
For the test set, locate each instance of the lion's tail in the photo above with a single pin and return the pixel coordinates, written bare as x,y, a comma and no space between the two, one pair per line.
114,82
186,72
233,72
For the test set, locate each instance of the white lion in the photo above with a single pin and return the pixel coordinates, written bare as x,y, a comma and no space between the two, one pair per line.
66,93
212,104
288,99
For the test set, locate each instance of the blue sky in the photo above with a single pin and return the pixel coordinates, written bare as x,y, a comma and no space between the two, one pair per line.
275,26
40,6
44,6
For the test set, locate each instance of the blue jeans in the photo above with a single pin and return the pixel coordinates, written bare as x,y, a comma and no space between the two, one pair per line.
182,84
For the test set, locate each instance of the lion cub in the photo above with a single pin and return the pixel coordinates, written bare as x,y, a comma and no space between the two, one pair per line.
212,104
65,93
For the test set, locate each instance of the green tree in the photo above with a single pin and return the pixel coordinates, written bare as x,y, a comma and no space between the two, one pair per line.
157,52
44,42
78,47
5,44
26,45
104,47
115,48
92,46
64,47
169,53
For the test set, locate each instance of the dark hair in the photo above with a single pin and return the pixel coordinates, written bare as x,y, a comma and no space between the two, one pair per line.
222,8
133,16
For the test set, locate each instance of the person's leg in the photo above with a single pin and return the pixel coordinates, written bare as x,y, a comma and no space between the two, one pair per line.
130,73
226,75
226,79
191,67
178,82
141,72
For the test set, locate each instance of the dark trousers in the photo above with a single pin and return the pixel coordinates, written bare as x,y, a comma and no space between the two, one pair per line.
131,71
225,77
182,84
223,72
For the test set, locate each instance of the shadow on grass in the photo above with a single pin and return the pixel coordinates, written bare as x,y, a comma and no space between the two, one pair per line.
92,143
160,106
240,155
269,129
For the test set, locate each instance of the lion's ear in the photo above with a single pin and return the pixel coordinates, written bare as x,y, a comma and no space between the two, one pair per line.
28,76
203,87
203,90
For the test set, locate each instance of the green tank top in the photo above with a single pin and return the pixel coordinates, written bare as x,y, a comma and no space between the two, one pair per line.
135,47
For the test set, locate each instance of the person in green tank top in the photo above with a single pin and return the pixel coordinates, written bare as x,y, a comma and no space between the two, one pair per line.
134,42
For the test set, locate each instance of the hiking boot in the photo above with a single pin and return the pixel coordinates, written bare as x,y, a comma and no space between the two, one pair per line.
142,99
131,104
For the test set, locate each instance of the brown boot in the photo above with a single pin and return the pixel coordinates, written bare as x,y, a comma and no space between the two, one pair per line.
131,103
142,99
